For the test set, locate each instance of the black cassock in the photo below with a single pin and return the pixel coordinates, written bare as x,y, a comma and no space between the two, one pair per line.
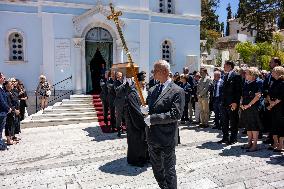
137,153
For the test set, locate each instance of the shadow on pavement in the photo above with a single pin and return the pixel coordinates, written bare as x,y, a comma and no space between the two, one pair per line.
97,134
276,160
262,152
211,146
121,167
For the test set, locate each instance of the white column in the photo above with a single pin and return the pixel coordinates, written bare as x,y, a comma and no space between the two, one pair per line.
48,47
78,45
145,47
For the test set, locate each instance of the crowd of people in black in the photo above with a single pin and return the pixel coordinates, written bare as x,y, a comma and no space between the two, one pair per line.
13,105
240,97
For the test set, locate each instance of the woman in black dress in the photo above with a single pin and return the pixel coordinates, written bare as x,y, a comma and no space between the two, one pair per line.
23,99
249,109
10,121
276,106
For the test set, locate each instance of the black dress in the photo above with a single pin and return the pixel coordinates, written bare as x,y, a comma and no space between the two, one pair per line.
249,118
10,120
137,153
23,104
276,91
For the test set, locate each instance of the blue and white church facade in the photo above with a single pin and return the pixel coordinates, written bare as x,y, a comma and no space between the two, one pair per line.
63,38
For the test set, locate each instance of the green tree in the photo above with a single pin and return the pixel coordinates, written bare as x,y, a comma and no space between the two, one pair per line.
229,16
246,50
260,54
209,24
240,10
260,16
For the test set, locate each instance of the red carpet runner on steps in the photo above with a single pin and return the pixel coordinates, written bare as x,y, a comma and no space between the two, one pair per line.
99,109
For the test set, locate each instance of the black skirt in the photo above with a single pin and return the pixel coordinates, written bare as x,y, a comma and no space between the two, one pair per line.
277,120
250,119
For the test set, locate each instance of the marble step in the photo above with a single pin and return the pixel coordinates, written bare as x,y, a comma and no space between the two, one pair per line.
56,122
67,101
81,97
60,110
72,106
63,115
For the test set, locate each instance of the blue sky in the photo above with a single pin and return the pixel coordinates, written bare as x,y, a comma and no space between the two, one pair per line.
222,12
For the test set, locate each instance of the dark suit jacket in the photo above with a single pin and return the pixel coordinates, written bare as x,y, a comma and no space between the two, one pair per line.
232,89
111,92
267,83
164,111
121,92
4,107
104,92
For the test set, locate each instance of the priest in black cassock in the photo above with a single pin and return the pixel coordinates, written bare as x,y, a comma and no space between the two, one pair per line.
137,153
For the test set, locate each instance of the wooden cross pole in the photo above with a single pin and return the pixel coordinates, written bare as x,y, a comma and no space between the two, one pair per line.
114,16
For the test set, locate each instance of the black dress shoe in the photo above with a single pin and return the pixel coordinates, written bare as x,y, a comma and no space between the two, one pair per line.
119,134
268,141
232,141
223,141
216,127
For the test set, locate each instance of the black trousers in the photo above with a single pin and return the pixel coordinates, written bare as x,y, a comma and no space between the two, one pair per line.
229,120
217,111
112,115
185,112
163,160
105,111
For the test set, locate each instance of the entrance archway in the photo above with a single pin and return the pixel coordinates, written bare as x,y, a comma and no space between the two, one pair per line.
99,52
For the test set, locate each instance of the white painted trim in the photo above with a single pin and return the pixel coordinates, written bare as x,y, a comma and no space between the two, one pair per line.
89,6
15,62
7,48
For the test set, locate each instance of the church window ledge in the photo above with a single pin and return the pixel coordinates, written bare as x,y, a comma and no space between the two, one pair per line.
15,62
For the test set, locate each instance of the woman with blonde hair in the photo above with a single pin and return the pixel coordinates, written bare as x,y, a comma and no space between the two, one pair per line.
276,106
249,118
43,90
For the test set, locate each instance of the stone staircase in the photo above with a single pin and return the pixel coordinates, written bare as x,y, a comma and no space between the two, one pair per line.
77,109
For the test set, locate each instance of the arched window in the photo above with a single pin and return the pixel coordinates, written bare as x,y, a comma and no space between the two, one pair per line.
166,6
167,51
16,47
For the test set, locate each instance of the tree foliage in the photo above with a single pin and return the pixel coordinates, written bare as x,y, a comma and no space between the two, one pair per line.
260,16
229,16
260,54
209,24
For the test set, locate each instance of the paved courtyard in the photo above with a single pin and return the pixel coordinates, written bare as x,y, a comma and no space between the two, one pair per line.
81,156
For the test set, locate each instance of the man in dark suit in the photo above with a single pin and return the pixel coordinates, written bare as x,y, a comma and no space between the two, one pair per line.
232,89
165,101
4,109
111,98
104,95
216,98
119,101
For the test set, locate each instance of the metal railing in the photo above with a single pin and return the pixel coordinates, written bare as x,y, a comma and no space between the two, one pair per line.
54,89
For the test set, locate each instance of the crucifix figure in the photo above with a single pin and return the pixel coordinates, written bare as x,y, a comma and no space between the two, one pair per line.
115,17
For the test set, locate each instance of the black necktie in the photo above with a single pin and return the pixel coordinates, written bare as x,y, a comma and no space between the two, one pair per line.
160,88
226,77
215,90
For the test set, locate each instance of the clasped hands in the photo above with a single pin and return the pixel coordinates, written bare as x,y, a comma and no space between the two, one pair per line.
244,107
145,112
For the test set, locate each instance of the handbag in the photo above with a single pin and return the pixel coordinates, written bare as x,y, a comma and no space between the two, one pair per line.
48,92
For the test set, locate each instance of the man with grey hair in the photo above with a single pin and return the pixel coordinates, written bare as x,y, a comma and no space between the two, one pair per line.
166,101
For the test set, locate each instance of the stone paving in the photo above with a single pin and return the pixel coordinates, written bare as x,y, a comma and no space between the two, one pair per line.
81,156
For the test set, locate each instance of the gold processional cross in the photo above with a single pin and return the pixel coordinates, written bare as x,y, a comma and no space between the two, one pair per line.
114,16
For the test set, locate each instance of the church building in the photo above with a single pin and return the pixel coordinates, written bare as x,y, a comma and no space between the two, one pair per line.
63,38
